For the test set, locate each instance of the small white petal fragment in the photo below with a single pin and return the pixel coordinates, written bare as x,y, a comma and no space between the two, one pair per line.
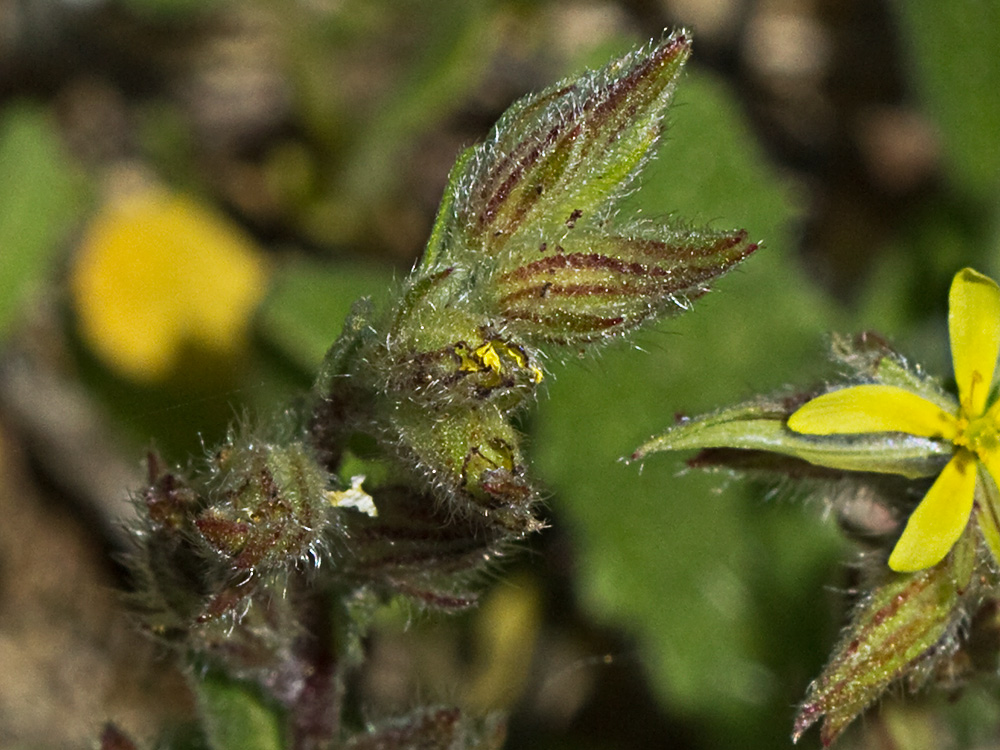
355,498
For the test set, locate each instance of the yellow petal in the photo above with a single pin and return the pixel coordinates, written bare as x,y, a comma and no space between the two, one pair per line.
989,526
873,408
990,459
974,326
939,520
987,510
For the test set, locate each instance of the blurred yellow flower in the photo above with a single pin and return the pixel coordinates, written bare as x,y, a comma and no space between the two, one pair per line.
158,273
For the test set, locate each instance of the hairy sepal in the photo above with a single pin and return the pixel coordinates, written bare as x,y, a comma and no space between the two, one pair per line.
586,286
762,426
557,156
895,629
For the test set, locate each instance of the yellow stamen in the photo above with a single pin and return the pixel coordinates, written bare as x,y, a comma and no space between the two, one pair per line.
487,354
488,357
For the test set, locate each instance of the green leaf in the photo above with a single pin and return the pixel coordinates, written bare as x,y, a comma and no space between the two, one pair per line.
703,578
40,200
235,717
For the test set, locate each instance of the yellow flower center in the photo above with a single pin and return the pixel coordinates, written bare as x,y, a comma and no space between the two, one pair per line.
980,435
977,433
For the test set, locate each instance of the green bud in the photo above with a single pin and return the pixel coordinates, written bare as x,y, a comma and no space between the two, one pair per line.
522,243
912,617
267,506
472,456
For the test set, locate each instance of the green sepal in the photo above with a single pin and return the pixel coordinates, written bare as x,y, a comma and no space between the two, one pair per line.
584,286
762,426
894,630
556,157
356,332
445,220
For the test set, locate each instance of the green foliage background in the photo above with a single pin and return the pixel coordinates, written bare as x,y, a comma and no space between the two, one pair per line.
721,596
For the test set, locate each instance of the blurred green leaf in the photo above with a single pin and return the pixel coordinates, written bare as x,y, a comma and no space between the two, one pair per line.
40,200
451,62
712,582
235,718
309,302
954,51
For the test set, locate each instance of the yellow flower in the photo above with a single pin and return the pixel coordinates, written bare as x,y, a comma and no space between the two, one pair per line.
158,272
972,426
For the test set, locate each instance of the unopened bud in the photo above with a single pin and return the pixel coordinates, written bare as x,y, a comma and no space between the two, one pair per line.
268,507
912,617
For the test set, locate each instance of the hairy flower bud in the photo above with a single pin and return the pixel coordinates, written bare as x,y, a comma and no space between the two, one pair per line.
529,212
523,257
474,458
267,509
910,618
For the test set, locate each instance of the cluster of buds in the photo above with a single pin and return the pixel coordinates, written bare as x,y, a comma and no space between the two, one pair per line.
523,261
912,451
404,474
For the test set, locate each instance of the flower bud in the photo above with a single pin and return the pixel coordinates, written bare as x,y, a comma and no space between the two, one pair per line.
522,242
471,457
267,508
908,620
